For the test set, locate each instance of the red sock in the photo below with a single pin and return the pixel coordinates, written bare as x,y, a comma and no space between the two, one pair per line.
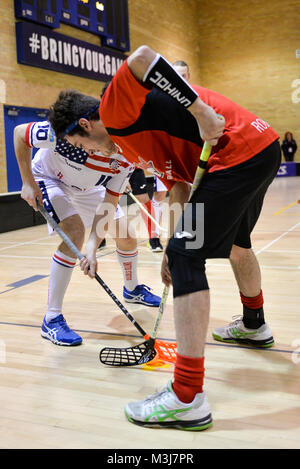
188,377
254,302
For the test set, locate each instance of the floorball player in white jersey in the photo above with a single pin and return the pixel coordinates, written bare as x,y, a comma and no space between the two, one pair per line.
73,186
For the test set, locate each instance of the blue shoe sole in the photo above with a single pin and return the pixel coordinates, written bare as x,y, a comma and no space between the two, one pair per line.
141,303
57,342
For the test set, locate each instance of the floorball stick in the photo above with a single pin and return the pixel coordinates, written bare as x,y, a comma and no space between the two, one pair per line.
120,357
152,347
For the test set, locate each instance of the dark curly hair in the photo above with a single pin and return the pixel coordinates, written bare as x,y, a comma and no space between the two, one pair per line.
69,107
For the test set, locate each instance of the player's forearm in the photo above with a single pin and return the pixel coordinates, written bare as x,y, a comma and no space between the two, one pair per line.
98,230
155,71
139,61
144,66
178,196
103,220
179,193
23,154
211,125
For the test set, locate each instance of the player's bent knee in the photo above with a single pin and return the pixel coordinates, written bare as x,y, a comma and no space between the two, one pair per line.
126,244
188,273
238,253
143,198
124,234
159,196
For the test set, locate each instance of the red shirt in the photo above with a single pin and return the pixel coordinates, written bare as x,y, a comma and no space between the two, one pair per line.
151,127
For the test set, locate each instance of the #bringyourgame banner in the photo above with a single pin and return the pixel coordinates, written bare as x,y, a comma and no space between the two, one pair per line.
42,47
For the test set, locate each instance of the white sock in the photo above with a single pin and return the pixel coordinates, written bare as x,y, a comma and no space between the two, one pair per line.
60,275
128,262
156,208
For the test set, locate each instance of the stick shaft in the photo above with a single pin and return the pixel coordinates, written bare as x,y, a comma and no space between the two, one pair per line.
160,311
145,211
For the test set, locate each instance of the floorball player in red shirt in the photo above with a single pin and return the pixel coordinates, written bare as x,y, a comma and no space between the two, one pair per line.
155,117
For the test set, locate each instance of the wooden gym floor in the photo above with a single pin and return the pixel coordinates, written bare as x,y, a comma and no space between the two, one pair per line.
58,397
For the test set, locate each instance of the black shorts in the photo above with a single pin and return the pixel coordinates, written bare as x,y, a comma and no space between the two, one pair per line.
231,201
138,182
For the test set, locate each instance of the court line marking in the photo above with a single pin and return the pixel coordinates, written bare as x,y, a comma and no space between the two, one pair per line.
141,261
23,282
272,267
269,231
23,244
285,208
276,239
12,256
40,244
117,334
283,250
110,250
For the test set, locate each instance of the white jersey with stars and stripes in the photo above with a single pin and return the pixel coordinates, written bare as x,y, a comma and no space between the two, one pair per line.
58,159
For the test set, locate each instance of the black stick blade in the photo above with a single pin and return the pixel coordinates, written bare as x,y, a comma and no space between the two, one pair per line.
130,356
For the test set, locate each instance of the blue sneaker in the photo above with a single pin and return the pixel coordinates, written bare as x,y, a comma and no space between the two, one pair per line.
58,332
141,295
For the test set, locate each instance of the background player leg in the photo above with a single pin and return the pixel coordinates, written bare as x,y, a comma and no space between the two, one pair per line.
54,326
156,202
246,270
138,183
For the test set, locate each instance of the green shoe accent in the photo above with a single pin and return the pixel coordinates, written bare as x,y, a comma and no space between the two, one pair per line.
128,418
162,414
238,334
220,339
243,341
178,426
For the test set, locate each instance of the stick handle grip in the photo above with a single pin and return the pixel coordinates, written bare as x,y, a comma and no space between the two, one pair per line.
201,168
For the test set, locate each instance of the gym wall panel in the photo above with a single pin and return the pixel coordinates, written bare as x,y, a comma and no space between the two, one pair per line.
249,54
170,26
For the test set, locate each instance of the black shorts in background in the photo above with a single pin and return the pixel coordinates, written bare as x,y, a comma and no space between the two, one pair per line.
233,200
138,182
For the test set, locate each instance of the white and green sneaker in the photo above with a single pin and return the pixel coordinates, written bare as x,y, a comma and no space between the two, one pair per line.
236,332
164,409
